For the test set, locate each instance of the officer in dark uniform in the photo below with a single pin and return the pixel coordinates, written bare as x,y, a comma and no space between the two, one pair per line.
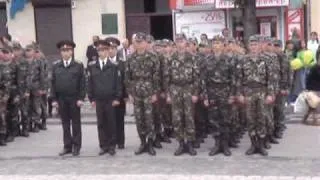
104,93
68,92
121,109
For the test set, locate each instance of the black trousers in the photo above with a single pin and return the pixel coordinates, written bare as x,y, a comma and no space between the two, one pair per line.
50,106
70,117
106,116
120,113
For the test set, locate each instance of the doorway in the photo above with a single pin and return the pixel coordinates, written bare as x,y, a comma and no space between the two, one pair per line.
161,26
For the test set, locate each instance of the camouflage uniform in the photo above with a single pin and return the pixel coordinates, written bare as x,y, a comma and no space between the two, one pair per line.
255,85
182,82
37,83
142,82
5,87
218,85
24,88
44,98
12,116
284,84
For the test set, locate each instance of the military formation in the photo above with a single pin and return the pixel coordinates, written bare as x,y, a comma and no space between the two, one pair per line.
187,90
23,87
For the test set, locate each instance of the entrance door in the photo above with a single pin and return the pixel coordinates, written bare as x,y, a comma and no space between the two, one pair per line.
137,23
161,26
53,23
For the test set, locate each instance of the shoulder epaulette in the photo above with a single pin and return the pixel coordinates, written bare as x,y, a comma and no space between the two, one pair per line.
92,63
56,62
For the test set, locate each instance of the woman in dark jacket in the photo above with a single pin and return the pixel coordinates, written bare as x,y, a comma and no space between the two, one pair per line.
313,84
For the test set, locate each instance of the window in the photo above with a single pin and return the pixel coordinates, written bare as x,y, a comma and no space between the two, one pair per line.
109,23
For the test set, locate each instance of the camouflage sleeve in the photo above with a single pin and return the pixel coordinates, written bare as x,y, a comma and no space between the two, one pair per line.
161,59
166,75
276,73
42,77
128,77
270,79
239,76
286,73
203,80
156,75
196,78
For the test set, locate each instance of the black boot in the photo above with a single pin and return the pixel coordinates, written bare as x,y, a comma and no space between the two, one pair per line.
43,125
261,148
151,151
233,142
180,149
142,148
10,138
278,134
225,146
217,147
2,140
165,138
253,149
36,128
266,143
272,139
196,143
190,148
157,143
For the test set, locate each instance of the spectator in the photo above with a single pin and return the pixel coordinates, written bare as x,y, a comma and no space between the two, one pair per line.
124,50
226,33
204,39
313,43
92,53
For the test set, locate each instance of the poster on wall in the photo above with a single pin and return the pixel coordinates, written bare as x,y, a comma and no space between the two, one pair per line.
265,29
193,24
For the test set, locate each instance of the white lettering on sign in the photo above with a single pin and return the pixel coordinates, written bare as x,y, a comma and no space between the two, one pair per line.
225,4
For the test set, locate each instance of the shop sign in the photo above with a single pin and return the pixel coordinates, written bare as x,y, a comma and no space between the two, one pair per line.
226,4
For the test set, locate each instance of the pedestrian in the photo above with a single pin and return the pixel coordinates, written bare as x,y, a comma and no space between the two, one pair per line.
121,109
142,82
182,86
92,54
68,93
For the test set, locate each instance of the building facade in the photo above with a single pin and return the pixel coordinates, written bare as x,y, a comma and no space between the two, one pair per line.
47,22
315,15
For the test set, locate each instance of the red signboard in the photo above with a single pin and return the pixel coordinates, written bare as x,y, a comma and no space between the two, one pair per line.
197,2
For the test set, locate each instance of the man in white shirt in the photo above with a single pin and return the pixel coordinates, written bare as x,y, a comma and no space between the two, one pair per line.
313,43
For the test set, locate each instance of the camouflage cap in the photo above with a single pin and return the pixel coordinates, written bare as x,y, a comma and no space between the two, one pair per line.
157,43
277,42
166,42
149,38
254,38
193,40
205,45
217,38
140,36
180,37
230,40
16,45
30,46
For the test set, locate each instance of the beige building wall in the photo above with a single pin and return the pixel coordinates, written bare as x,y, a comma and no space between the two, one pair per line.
22,27
315,15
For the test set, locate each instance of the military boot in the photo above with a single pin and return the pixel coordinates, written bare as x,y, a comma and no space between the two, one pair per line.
157,143
278,134
233,142
253,149
190,148
266,143
43,125
10,138
261,148
142,147
151,151
180,149
225,147
165,138
25,132
272,139
217,147
2,140
196,143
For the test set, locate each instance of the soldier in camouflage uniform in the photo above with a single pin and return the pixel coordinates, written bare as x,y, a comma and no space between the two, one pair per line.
256,91
5,87
218,84
182,84
37,87
44,99
12,115
284,86
142,82
24,87
271,57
